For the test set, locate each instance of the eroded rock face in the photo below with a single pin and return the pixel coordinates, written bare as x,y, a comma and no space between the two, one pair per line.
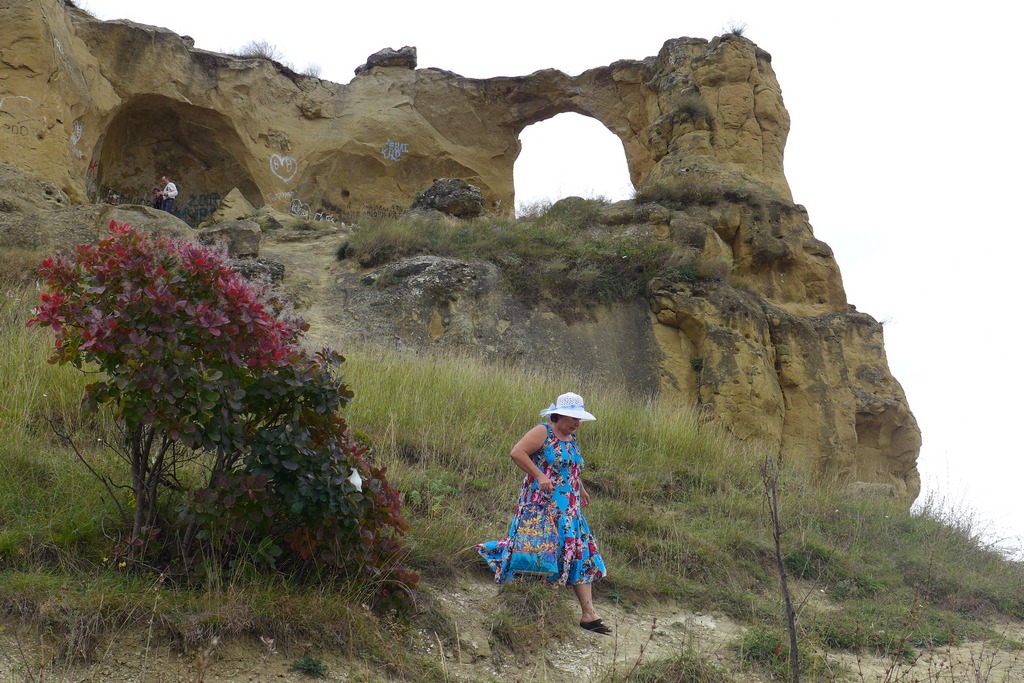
764,341
430,302
814,387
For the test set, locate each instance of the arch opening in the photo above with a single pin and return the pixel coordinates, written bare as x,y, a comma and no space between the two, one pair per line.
197,148
569,155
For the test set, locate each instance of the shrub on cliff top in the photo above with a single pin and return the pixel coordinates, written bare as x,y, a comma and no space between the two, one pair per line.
206,376
260,49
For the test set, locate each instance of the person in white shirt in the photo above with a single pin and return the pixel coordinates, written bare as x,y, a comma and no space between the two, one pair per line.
169,192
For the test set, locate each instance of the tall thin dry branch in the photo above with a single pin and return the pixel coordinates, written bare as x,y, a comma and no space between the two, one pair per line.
770,469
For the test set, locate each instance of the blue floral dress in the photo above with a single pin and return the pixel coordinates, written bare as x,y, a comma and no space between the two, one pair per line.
578,561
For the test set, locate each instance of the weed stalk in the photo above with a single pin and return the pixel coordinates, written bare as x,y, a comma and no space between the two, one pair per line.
770,468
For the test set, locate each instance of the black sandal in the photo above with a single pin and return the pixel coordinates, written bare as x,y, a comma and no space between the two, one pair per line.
597,626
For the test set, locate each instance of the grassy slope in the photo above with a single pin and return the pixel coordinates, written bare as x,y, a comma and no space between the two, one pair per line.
678,511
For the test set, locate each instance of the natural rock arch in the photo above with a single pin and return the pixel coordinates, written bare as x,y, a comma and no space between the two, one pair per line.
711,106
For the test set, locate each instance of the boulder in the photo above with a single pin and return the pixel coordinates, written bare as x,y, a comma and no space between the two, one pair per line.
234,206
452,196
240,239
259,269
405,58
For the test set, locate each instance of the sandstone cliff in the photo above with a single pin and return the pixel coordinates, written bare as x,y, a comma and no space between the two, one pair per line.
97,110
102,109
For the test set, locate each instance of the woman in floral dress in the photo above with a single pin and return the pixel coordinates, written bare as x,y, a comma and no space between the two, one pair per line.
551,459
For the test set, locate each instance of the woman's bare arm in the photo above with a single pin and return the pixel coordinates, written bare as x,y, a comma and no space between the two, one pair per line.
521,452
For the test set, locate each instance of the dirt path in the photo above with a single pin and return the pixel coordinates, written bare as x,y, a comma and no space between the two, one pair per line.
310,266
640,633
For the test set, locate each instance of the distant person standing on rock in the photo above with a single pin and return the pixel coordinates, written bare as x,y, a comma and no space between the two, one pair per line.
168,194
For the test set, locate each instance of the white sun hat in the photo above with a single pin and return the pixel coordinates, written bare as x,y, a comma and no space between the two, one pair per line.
570,405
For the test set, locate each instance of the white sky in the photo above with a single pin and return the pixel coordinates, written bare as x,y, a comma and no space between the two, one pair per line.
905,147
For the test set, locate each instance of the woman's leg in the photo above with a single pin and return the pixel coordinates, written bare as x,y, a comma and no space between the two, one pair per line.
584,595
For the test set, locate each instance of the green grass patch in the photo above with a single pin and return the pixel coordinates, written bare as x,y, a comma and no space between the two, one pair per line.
892,631
768,650
565,256
310,665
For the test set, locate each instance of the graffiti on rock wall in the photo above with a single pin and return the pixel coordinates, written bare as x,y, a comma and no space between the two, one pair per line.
332,213
298,208
91,189
343,215
10,101
17,123
381,211
19,129
284,168
112,196
197,208
394,150
76,135
194,210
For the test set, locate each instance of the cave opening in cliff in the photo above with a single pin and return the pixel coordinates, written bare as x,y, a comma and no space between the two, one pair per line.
569,155
151,136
